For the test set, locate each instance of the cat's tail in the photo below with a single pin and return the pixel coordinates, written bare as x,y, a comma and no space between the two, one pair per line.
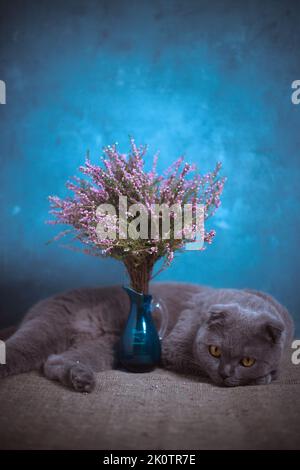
39,335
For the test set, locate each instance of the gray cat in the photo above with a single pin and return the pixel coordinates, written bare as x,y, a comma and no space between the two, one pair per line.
235,337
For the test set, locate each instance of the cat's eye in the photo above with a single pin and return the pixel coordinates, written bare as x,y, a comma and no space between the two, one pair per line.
215,351
247,361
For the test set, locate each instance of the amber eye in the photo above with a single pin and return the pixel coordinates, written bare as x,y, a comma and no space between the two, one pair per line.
214,351
247,361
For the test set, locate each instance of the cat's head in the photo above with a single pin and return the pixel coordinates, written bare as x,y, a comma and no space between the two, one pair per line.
236,346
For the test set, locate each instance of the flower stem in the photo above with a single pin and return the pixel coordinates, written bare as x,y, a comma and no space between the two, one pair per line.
140,274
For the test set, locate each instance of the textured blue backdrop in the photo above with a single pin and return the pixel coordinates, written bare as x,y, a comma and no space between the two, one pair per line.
210,79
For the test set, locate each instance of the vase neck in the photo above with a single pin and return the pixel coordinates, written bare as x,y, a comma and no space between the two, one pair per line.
138,298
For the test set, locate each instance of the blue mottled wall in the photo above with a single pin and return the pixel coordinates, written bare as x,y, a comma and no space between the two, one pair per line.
210,79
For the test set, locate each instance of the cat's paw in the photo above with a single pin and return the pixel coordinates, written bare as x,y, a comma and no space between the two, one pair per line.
82,378
266,380
274,374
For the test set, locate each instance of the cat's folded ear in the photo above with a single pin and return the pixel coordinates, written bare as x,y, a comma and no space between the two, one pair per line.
272,330
217,315
289,329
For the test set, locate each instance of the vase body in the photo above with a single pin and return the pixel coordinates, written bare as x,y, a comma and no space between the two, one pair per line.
139,346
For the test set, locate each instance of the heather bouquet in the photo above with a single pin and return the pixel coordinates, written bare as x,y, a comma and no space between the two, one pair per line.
121,181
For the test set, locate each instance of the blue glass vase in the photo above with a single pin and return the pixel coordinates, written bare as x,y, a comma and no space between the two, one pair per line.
139,346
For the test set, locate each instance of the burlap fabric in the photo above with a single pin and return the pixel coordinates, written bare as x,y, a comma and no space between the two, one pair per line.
158,410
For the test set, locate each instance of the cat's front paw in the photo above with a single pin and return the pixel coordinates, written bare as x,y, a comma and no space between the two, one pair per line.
266,380
82,378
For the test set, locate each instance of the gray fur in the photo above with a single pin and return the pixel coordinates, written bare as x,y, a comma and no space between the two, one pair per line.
73,335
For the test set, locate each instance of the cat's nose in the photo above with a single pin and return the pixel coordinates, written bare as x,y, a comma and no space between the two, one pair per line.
225,372
224,375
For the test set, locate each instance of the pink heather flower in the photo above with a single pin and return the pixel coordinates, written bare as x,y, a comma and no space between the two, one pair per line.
119,174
